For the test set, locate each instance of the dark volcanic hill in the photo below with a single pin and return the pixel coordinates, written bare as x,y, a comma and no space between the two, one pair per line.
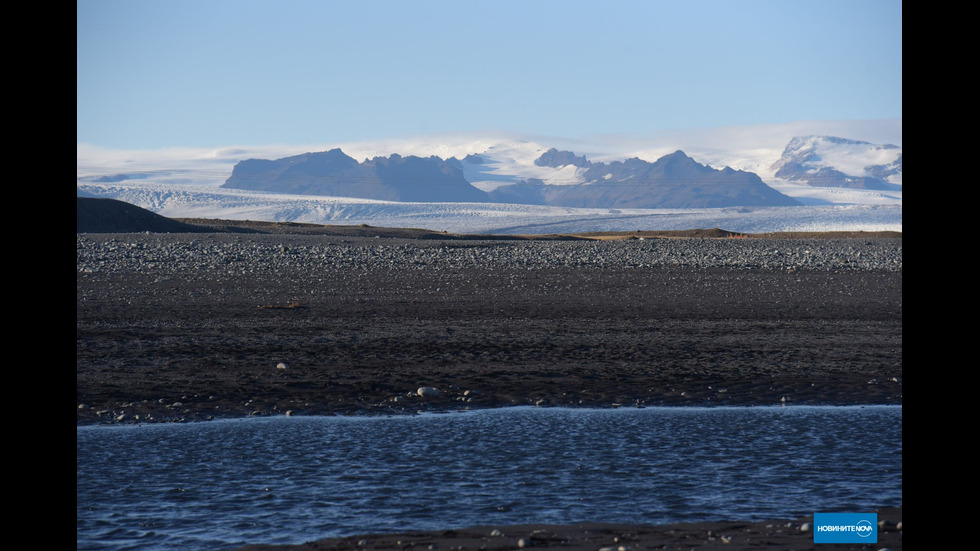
98,215
394,178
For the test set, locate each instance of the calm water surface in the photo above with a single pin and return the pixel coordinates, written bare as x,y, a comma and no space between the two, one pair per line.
286,480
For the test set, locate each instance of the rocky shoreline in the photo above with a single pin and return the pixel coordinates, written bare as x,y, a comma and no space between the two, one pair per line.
186,327
772,535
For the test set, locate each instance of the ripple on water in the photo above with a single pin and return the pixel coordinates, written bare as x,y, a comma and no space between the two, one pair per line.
284,480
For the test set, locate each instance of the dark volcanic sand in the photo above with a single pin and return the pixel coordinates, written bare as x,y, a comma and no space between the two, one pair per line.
160,343
176,344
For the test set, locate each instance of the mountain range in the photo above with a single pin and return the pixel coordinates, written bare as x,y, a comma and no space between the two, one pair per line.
534,174
673,181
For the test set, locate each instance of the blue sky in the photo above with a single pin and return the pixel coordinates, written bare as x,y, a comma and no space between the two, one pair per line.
210,73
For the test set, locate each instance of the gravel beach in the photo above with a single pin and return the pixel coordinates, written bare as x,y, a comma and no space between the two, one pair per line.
197,326
174,327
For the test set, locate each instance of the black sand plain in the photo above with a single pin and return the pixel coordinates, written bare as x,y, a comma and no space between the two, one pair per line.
172,343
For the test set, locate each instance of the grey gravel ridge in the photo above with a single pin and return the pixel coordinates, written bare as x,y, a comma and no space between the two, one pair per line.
262,254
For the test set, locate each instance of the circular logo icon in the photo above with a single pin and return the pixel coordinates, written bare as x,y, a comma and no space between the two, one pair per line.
864,528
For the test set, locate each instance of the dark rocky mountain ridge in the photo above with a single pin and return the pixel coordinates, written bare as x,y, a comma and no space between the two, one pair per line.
394,178
673,181
557,159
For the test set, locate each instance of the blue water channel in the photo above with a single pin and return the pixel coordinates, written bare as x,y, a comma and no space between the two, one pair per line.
287,480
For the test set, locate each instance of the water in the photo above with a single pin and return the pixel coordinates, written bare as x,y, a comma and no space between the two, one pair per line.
287,480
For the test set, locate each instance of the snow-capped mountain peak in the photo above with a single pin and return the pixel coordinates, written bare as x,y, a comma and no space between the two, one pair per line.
831,161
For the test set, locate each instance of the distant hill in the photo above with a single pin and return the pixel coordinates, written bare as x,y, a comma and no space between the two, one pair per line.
97,215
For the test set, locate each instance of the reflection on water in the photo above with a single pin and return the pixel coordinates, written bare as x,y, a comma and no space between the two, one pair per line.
222,484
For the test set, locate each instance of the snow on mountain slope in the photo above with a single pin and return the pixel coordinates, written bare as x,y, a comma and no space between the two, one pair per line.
183,183
514,159
840,162
857,159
